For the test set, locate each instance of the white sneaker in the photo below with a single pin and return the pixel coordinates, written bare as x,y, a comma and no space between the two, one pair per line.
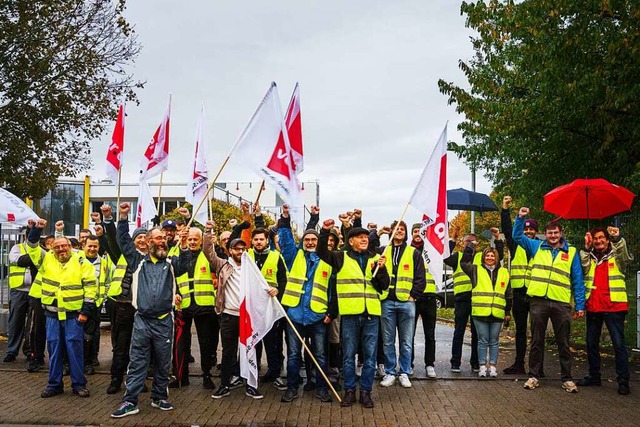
493,373
404,381
482,373
388,380
532,383
431,372
380,371
570,387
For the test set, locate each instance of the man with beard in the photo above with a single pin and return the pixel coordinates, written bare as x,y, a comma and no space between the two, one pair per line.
152,290
68,295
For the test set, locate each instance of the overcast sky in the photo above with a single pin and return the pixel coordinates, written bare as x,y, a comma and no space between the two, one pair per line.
368,72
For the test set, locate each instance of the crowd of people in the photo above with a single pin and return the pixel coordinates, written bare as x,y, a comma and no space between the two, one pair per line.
348,297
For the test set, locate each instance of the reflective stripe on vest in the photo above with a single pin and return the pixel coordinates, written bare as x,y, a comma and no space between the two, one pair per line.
36,287
519,268
115,288
354,289
551,278
430,288
16,273
270,268
203,290
404,278
297,278
487,299
462,282
617,285
103,279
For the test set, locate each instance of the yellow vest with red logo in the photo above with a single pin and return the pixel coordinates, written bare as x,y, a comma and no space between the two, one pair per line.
404,276
487,299
203,289
354,289
617,285
270,268
298,277
551,278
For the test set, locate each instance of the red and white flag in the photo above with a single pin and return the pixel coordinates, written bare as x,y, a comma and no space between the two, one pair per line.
258,313
114,154
293,122
146,210
264,147
197,186
156,157
430,198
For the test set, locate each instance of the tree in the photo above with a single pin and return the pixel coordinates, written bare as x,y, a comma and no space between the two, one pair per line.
63,71
552,94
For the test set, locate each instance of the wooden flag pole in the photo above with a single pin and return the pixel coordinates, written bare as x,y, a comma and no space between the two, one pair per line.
159,193
259,193
393,233
118,187
206,195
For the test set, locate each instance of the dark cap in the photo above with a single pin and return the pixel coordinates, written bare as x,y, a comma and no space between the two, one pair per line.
356,231
169,224
416,225
310,231
532,223
236,242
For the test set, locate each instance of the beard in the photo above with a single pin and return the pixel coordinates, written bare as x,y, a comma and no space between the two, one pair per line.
159,252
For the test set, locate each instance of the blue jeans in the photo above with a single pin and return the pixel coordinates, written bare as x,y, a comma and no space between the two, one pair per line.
150,336
401,316
67,334
359,329
615,325
462,313
318,334
488,334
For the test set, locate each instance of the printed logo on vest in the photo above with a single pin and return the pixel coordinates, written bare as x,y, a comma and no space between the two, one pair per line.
325,274
502,284
405,267
203,269
612,264
269,272
564,256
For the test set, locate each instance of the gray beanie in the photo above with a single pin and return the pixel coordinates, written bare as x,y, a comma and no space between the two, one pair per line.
310,231
138,231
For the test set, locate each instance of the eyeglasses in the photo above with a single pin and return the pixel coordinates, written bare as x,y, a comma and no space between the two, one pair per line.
56,247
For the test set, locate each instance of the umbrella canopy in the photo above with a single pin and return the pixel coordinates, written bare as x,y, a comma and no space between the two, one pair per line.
465,200
13,209
588,199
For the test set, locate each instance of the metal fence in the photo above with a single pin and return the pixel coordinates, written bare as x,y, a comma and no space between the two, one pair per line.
8,238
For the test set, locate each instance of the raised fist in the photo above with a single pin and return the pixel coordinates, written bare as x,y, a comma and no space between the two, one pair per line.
124,210
357,213
245,207
315,210
59,226
588,240
41,223
285,211
257,211
209,225
184,212
328,224
496,232
524,211
614,232
31,223
95,217
99,230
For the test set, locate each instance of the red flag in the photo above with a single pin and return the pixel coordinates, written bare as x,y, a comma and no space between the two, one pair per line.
156,157
197,186
430,198
293,122
114,153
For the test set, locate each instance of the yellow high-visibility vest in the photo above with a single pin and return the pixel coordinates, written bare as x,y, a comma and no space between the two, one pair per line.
462,282
488,299
297,278
404,278
203,290
354,289
550,277
617,285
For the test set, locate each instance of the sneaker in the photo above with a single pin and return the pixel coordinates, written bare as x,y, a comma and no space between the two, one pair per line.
515,370
253,393
324,395
281,384
475,368
431,372
235,382
623,387
289,395
570,387
207,382
358,370
531,383
380,372
388,380
222,391
493,372
589,380
114,387
482,372
455,369
81,392
404,381
161,404
126,409
9,358
89,370
34,366
50,392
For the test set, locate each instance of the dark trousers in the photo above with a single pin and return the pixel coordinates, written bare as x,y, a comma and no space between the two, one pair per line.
273,347
18,310
520,311
426,309
615,326
541,311
229,333
462,315
204,327
121,331
37,330
89,328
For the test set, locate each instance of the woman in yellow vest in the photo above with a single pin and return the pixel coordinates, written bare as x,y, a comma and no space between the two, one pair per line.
490,304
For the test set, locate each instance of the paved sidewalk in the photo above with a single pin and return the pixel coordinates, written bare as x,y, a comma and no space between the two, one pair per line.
461,400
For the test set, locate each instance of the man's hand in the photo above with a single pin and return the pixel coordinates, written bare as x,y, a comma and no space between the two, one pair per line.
99,230
285,211
579,314
31,223
381,261
524,211
506,202
372,226
209,225
184,233
124,210
496,232
233,222
245,207
82,318
614,232
258,212
588,240
184,213
272,291
95,217
315,210
59,226
357,214
177,300
384,230
328,224
344,219
41,223
106,211
326,320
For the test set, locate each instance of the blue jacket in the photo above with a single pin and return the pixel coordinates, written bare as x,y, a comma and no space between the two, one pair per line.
531,246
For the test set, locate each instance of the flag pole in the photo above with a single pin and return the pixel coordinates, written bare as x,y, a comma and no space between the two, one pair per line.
310,353
159,193
206,195
118,187
404,211
259,193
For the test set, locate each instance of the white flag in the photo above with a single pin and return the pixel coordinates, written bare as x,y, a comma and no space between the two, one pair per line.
197,186
146,207
14,210
258,313
430,198
264,147
156,156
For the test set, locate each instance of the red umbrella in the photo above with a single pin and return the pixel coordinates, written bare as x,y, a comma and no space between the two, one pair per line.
588,199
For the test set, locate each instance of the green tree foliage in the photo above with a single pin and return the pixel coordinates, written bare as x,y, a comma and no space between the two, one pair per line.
552,95
223,212
63,71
